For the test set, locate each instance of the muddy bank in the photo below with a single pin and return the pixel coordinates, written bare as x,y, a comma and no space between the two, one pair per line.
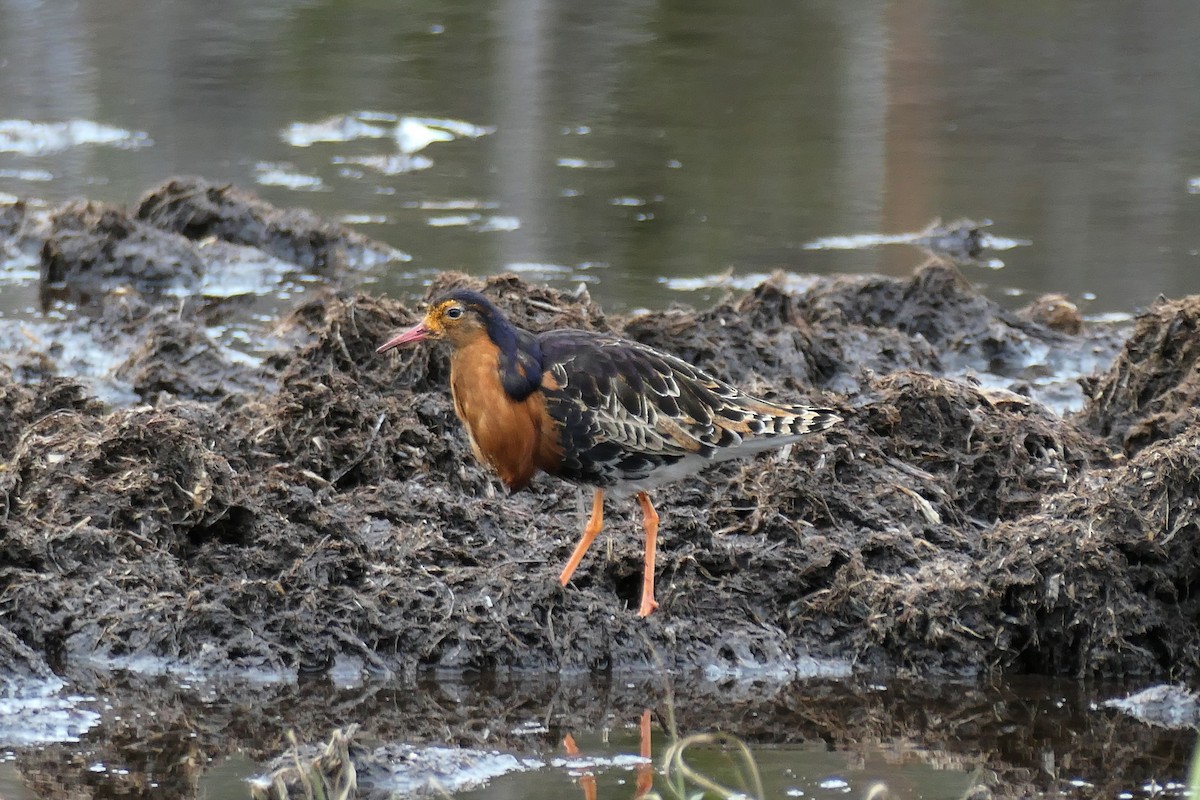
316,506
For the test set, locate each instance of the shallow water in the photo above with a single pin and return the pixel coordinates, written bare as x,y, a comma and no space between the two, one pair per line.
632,145
156,736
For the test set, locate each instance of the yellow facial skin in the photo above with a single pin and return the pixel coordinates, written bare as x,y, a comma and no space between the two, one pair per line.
451,320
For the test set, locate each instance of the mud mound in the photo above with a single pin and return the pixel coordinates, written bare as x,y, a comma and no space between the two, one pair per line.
1056,312
103,511
996,453
94,248
322,508
844,329
21,232
1126,540
175,359
939,306
1096,582
875,545
139,322
937,322
338,331
319,509
197,209
1153,390
158,475
21,665
764,338
336,414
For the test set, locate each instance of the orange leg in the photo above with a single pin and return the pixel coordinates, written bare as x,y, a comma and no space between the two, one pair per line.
645,772
650,522
587,781
594,524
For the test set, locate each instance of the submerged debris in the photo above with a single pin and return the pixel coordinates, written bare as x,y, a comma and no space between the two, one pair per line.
962,242
1168,705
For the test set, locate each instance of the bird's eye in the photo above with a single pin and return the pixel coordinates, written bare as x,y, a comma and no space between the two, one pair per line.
454,312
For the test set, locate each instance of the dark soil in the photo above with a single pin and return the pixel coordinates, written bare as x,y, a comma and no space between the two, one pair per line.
320,508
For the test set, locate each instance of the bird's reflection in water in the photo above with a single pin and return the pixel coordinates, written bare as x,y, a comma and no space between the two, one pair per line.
645,770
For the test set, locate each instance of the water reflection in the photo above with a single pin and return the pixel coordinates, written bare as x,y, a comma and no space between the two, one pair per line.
743,131
1022,737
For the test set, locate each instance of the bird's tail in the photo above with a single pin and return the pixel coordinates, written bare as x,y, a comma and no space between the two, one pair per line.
752,425
768,419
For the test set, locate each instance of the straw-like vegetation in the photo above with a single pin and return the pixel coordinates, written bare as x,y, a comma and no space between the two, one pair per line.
329,776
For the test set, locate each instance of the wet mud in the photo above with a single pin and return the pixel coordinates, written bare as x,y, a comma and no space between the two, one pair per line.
315,507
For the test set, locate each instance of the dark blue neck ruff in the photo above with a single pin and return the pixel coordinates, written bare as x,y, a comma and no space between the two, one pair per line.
520,353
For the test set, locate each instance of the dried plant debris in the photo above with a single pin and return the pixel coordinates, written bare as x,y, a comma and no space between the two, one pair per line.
328,775
320,506
1152,391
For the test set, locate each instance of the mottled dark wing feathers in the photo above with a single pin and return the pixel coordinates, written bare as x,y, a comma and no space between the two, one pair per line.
625,410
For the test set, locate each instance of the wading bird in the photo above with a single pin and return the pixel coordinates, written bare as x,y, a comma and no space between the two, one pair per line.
595,409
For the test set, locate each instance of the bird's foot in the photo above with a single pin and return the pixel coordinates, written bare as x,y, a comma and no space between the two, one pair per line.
648,606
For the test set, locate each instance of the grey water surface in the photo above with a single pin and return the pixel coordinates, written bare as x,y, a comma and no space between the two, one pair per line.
649,149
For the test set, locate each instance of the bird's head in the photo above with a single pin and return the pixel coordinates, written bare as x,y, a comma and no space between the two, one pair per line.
458,317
